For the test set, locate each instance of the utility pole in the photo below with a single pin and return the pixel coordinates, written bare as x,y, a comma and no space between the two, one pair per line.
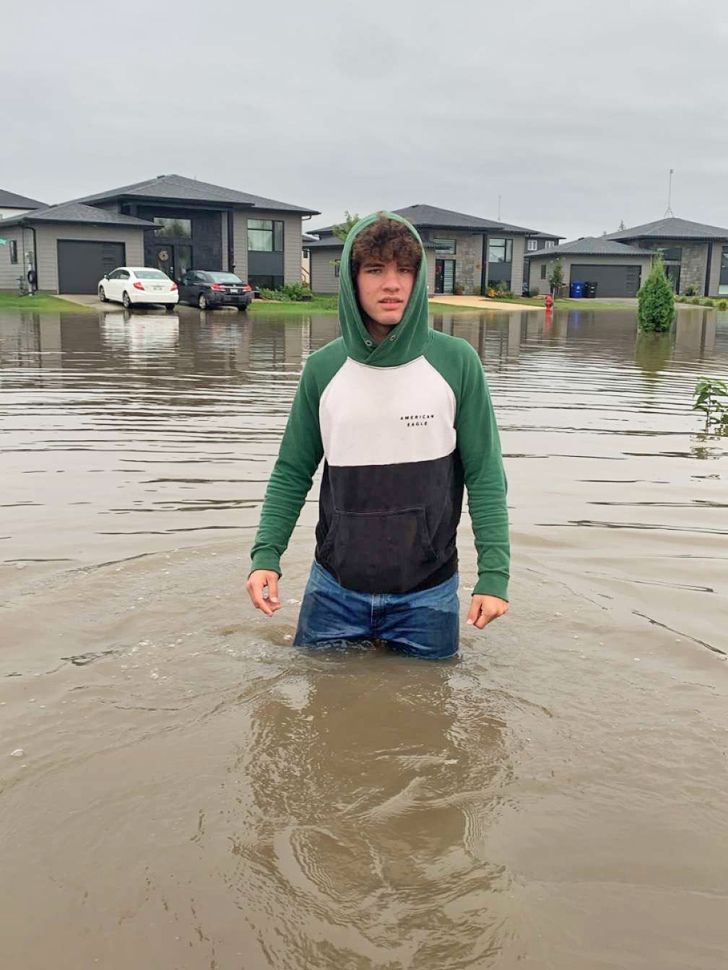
499,208
668,211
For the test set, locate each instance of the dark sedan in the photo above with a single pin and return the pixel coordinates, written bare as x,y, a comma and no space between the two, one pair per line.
209,289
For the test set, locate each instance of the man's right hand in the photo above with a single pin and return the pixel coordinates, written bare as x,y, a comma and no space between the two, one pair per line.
260,582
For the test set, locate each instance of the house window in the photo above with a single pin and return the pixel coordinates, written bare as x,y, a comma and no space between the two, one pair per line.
337,268
550,243
543,271
172,228
532,245
13,250
444,247
500,250
672,254
265,236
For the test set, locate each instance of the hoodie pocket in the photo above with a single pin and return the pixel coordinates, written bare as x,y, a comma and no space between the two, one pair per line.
379,552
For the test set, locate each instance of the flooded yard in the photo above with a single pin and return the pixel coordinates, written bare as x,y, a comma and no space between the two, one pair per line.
180,788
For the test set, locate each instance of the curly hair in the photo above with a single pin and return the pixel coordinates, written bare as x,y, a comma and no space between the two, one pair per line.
385,240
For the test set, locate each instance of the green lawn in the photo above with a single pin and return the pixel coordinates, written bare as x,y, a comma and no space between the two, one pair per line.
39,303
565,304
323,303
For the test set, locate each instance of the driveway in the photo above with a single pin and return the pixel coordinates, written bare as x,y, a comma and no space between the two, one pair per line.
480,303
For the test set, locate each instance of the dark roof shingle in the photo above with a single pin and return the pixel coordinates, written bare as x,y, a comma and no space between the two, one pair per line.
178,188
431,217
591,246
77,212
10,200
671,228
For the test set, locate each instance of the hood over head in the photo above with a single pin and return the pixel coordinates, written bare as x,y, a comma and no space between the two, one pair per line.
407,340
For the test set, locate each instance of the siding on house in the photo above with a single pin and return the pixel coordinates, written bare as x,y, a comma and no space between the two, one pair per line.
47,253
323,272
9,272
714,283
517,267
240,244
9,213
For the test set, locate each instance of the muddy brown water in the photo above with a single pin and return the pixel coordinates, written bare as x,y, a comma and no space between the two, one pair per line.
180,788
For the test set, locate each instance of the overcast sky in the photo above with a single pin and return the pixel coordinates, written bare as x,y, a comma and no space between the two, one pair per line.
572,111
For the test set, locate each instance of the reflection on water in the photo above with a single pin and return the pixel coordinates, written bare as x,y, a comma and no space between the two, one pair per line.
191,792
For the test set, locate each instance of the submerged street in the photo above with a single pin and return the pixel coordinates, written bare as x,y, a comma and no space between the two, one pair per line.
180,788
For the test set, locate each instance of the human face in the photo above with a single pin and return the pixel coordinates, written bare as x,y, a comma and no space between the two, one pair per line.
383,290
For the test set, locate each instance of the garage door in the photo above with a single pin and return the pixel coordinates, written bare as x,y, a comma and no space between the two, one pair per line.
610,280
82,263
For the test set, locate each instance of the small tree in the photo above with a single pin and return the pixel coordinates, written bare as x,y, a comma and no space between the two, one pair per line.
342,229
656,301
556,277
622,226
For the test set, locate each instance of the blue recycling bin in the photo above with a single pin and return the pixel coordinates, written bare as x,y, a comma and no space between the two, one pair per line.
576,290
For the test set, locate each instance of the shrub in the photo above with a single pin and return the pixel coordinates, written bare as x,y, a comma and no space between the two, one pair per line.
722,304
458,289
296,292
656,301
692,290
695,300
556,276
706,301
269,294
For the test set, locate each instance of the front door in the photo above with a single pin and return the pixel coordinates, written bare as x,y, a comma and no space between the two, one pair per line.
444,275
164,259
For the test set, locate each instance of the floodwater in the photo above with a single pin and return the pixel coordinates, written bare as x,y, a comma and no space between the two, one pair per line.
180,788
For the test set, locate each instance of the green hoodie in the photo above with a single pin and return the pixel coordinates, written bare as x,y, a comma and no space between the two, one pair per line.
402,426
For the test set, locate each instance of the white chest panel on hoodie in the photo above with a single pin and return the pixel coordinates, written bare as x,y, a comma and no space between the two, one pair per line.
387,415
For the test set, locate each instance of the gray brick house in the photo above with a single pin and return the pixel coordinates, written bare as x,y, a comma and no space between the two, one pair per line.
695,254
462,251
171,222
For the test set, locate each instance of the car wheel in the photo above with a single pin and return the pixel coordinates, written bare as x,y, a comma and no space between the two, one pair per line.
202,301
170,308
243,308
126,301
102,295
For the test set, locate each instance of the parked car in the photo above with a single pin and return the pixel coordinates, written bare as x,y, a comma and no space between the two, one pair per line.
134,285
208,289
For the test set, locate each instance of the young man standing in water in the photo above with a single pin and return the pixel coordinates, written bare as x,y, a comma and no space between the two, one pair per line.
402,417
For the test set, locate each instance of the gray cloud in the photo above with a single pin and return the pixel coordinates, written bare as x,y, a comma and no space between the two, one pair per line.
572,113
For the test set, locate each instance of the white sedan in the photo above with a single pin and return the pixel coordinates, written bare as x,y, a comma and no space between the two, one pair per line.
134,285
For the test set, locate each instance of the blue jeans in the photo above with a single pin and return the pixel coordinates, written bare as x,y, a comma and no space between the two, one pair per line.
424,624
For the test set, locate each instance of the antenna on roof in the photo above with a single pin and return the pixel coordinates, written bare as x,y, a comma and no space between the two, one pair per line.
668,210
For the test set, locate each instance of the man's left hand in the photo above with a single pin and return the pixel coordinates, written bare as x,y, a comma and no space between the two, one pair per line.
483,609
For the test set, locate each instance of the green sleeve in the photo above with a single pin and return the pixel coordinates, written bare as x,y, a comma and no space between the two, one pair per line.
478,444
299,456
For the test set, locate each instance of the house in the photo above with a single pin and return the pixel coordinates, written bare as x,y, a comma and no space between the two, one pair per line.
695,254
617,268
69,246
463,252
12,204
170,222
